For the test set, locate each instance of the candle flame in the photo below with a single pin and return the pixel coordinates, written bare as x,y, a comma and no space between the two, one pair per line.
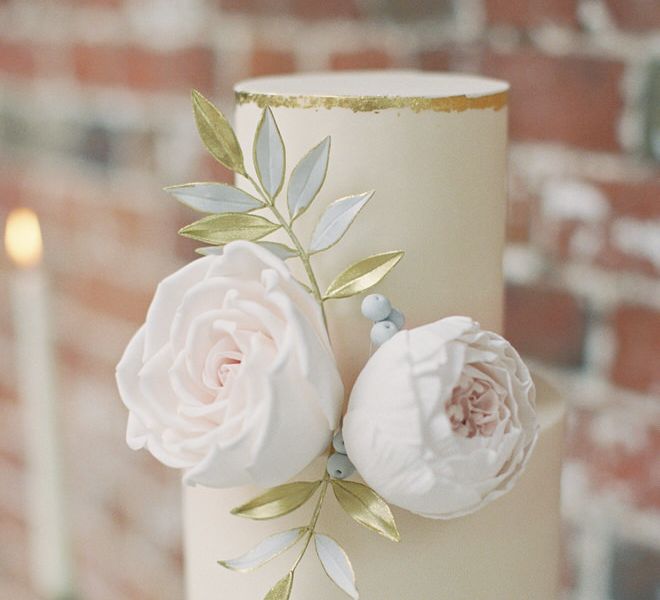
23,237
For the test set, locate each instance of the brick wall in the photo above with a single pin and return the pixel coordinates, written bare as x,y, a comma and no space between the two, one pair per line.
95,119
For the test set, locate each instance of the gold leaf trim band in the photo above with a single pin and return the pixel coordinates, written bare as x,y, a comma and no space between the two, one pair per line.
374,103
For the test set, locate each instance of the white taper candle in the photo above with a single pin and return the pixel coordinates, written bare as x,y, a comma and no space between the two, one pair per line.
49,536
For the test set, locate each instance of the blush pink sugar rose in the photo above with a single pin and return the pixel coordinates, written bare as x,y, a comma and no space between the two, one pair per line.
232,377
442,419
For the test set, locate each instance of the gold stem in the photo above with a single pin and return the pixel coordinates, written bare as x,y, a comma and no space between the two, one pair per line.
316,291
315,517
302,254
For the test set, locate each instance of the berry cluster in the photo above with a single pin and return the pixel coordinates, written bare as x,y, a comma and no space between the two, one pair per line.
387,319
339,466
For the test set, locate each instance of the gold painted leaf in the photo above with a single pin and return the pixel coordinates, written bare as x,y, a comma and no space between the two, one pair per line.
217,134
229,227
366,507
282,589
362,275
278,501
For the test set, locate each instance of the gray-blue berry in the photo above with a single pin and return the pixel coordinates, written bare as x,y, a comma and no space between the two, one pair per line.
396,316
338,443
339,467
376,307
382,331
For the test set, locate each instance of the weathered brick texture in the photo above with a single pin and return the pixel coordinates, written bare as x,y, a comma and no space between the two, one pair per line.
637,362
364,59
531,13
546,324
637,15
17,58
568,99
266,61
142,68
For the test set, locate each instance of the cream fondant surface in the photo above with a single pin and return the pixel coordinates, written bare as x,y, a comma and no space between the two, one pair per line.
375,83
440,181
509,550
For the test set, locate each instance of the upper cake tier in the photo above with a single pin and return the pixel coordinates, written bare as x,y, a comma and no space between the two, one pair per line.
433,146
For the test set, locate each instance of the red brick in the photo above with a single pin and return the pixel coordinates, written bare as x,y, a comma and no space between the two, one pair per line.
7,392
265,61
256,7
11,191
522,210
531,13
611,464
17,59
104,297
637,361
614,258
145,69
101,3
569,99
436,60
635,199
363,59
74,362
326,9
637,15
545,324
519,221
558,237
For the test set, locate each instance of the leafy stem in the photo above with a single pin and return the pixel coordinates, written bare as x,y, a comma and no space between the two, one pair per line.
302,253
228,219
312,524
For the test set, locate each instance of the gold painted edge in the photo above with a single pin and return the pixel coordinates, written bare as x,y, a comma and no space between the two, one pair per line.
495,101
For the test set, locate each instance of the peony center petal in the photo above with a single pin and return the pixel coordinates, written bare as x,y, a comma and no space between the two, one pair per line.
474,408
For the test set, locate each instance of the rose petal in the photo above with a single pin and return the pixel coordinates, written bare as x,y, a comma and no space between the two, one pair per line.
168,297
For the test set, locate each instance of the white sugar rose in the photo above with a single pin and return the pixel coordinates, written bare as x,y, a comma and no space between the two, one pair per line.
442,419
232,376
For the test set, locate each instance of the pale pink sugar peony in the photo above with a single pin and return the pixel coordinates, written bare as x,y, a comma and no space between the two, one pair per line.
475,407
232,377
442,419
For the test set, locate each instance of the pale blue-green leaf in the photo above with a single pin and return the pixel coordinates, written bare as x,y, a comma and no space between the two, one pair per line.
336,564
336,220
269,155
266,550
280,250
307,178
214,198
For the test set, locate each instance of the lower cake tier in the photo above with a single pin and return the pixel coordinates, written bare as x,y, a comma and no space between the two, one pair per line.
508,550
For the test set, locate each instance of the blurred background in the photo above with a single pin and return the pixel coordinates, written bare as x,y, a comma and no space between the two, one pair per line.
95,119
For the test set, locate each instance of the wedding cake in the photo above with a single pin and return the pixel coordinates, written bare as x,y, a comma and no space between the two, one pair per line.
331,375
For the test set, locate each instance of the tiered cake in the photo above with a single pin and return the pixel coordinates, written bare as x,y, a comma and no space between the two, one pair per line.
433,146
